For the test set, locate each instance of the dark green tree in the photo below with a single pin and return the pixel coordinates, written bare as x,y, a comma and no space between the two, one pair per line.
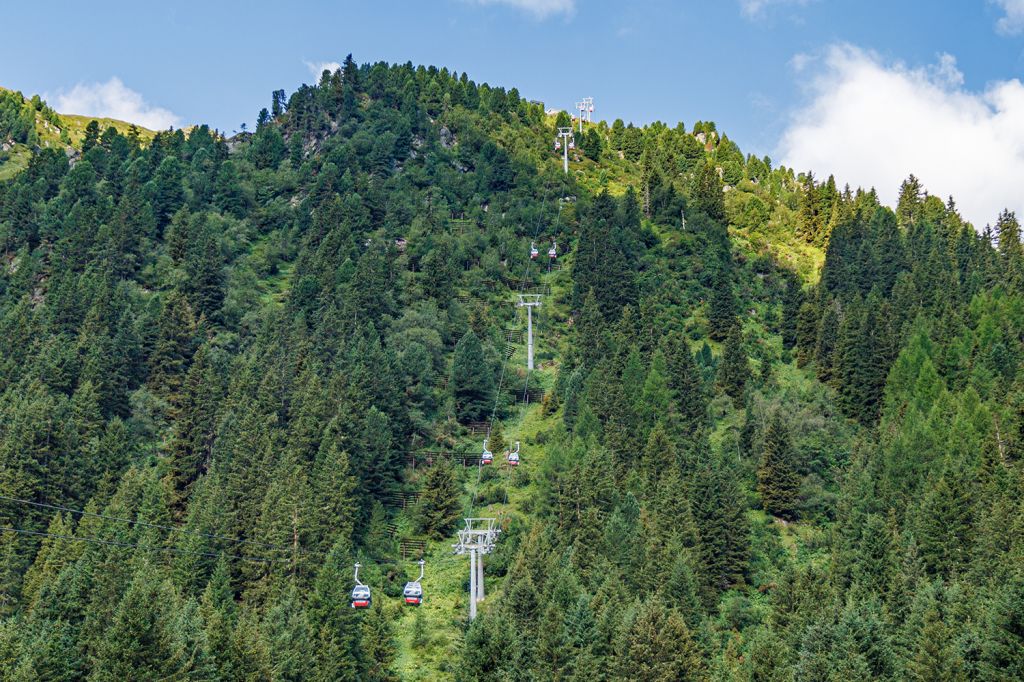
722,308
684,380
778,482
735,368
439,506
377,643
706,192
592,144
472,380
658,646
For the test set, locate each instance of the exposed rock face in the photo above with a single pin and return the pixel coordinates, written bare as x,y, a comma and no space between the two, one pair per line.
447,138
236,141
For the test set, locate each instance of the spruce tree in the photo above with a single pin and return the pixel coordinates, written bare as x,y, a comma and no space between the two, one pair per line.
139,642
289,636
706,193
685,382
934,654
792,305
910,202
778,482
735,368
825,345
722,308
195,428
944,529
1002,655
591,333
573,395
220,616
173,347
497,438
336,655
439,506
720,514
806,333
658,646
1010,249
591,144
472,380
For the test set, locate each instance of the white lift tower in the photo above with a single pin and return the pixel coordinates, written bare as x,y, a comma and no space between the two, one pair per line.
529,301
477,539
586,108
565,142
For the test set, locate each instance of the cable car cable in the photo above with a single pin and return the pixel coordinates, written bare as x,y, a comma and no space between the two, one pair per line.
504,363
526,389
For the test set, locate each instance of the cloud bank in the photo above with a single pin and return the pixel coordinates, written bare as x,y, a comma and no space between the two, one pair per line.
114,99
540,9
1012,22
871,124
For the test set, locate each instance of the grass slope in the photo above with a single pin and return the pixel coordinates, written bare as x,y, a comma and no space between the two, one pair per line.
16,159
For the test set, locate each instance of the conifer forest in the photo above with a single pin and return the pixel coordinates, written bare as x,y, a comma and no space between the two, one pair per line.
773,431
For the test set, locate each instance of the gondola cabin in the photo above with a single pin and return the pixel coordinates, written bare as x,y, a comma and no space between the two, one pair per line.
512,456
413,593
533,252
553,252
486,457
361,597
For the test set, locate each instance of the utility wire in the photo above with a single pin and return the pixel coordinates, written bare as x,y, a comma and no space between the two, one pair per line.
82,512
112,543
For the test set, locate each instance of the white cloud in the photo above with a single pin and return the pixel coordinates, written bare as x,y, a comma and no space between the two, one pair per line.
318,68
114,99
1012,22
541,9
755,9
800,61
872,124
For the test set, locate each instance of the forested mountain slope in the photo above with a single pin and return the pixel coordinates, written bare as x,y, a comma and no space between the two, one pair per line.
775,431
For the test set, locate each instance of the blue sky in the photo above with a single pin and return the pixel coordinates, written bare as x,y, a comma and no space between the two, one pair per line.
767,71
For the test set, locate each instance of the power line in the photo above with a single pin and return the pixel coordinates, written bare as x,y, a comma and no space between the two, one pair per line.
82,512
113,543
